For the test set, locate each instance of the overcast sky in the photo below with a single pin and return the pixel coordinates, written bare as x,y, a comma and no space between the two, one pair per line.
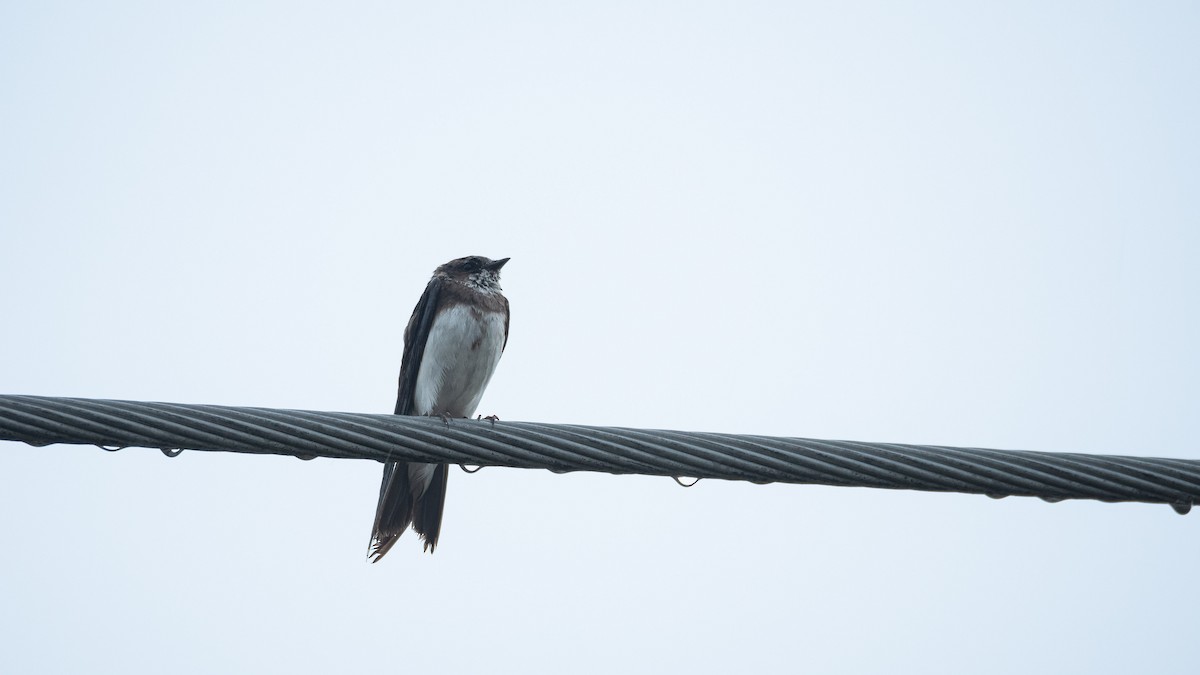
948,223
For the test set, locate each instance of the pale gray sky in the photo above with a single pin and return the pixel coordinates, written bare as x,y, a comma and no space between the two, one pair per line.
957,223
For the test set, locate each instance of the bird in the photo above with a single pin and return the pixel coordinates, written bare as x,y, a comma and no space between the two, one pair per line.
452,344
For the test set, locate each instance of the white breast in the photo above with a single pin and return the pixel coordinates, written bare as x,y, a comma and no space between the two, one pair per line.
461,354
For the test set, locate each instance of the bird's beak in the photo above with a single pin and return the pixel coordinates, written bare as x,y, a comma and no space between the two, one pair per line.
495,265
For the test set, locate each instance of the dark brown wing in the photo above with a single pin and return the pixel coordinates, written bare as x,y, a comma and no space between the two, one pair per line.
507,316
394,511
415,337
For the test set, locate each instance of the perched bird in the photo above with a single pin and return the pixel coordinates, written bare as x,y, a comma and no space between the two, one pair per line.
451,347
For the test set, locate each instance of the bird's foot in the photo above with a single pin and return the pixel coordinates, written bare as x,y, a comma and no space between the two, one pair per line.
490,418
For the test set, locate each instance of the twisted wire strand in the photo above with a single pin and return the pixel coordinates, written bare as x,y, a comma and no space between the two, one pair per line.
172,427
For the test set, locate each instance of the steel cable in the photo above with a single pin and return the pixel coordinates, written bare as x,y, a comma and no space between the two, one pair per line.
171,427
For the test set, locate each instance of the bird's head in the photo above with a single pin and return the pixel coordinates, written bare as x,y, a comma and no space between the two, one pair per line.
475,271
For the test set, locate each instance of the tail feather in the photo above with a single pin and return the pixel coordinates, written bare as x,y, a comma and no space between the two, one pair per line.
427,512
394,510
401,505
